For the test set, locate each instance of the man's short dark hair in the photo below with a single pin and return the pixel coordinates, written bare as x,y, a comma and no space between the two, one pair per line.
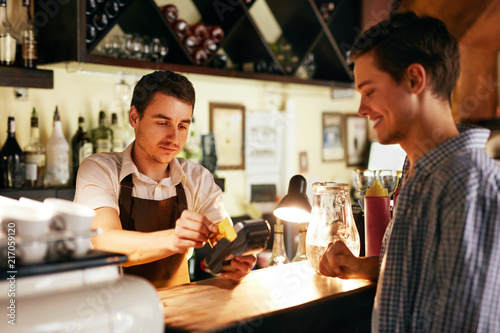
404,39
165,82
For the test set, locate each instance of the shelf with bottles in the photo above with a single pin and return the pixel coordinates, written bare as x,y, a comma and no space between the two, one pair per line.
18,52
63,38
318,27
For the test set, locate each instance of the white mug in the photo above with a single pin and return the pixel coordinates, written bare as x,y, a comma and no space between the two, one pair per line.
29,224
73,217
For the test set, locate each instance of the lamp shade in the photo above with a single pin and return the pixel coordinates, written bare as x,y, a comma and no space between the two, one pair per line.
295,206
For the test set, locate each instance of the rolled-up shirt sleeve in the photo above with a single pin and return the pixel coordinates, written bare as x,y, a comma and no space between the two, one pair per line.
97,183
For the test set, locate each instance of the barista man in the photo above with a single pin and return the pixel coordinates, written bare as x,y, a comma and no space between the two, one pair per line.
150,205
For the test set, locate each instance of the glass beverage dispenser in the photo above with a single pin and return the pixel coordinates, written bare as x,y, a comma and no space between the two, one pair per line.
331,221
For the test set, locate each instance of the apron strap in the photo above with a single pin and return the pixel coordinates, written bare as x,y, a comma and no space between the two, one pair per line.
181,199
125,201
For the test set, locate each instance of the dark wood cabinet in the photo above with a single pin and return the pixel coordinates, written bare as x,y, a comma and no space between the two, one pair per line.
63,36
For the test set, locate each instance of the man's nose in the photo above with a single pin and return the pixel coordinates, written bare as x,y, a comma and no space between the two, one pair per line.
363,109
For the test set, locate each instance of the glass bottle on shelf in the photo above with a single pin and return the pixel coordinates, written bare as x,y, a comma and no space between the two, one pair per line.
193,144
102,136
8,39
57,171
170,12
12,169
119,134
278,256
35,156
28,40
81,146
301,255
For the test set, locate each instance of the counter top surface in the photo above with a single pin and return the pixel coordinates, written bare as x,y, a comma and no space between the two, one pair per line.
289,297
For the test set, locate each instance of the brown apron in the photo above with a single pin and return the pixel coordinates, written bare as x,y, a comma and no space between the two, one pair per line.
151,215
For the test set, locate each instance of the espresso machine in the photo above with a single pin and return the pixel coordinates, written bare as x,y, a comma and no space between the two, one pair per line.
87,294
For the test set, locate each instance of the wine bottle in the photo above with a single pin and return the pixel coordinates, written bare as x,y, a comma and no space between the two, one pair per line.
119,135
170,12
8,40
102,136
12,168
100,21
181,29
111,9
199,55
26,30
91,33
215,33
199,31
81,146
57,171
91,7
190,43
209,46
34,155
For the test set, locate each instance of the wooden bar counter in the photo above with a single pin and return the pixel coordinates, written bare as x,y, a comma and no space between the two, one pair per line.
288,298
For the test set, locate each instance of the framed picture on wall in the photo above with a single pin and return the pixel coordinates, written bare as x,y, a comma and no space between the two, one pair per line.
333,132
227,122
356,143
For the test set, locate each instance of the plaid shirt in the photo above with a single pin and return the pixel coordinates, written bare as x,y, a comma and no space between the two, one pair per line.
440,261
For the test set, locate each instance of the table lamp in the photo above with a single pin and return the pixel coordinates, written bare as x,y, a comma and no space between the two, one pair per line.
295,207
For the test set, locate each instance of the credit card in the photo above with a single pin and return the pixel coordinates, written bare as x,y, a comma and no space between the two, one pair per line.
226,230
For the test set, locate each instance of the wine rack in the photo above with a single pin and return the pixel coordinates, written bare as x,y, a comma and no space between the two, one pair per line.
63,37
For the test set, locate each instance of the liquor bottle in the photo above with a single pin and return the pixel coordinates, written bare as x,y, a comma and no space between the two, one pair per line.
57,170
81,146
102,136
34,155
12,169
278,256
28,40
7,37
301,254
193,144
119,134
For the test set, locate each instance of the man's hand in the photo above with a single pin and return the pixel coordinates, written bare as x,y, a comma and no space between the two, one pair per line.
338,261
239,267
191,230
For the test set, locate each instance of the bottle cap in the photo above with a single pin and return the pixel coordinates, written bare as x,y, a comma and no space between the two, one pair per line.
376,190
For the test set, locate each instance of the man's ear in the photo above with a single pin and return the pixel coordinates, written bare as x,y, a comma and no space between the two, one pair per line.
416,78
133,116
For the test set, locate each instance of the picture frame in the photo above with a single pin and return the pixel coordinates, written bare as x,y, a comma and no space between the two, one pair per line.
333,137
356,143
227,122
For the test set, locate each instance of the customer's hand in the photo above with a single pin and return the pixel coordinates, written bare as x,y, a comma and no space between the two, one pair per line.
239,267
338,261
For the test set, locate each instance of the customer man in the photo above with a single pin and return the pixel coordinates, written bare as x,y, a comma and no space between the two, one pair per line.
439,269
150,205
